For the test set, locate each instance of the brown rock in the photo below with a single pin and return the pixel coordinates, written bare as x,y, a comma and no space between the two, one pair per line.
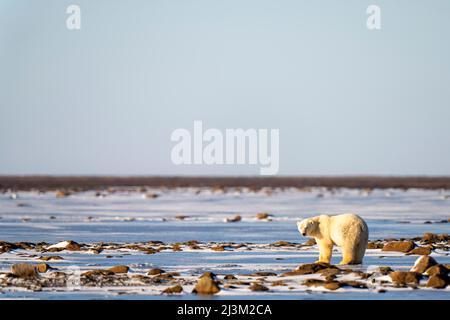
437,269
218,248
385,270
62,193
278,283
354,284
229,277
310,242
119,269
399,246
206,284
181,217
258,287
329,272
234,219
423,263
405,277
424,251
438,282
282,243
174,289
330,285
375,245
264,274
48,258
24,270
43,267
309,268
262,216
97,272
155,271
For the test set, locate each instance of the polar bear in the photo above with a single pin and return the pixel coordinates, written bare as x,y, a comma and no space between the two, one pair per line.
347,231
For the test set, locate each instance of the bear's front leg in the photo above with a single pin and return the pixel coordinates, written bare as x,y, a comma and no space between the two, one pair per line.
325,251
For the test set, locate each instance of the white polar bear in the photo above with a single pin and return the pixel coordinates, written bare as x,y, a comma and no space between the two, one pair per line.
347,231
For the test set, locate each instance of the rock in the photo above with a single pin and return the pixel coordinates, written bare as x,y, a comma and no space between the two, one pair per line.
62,193
97,272
424,251
310,242
423,263
218,248
329,272
277,283
229,277
385,270
65,245
437,269
258,287
330,285
48,258
264,274
155,271
174,289
354,284
24,270
399,246
181,217
234,219
375,245
309,268
429,237
43,267
262,216
405,277
206,284
151,195
119,269
282,243
438,282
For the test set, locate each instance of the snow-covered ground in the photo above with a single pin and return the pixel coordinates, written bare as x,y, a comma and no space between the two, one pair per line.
126,216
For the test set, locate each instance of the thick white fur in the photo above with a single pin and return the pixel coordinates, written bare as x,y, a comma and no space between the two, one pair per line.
347,231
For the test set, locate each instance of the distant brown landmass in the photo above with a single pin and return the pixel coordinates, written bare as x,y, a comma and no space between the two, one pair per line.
102,182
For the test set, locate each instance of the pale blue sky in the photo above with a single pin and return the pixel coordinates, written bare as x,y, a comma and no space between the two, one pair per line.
105,99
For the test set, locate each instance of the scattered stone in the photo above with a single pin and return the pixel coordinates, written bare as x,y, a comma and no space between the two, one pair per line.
437,269
48,258
438,282
278,283
262,216
375,245
399,246
282,243
174,289
119,269
258,287
384,270
429,237
310,242
354,284
424,251
402,278
310,268
155,271
229,277
264,274
62,193
24,270
234,219
181,217
423,263
218,248
330,285
64,245
43,267
97,272
206,284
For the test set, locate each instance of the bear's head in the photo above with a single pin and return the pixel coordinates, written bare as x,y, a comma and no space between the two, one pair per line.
308,227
